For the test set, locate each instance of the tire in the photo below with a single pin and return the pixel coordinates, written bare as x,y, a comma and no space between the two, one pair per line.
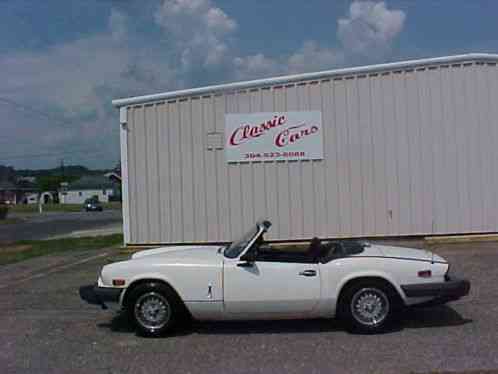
369,306
154,308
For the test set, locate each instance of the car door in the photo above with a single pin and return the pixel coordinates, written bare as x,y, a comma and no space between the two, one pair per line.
268,289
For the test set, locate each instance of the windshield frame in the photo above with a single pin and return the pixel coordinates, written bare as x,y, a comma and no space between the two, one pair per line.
244,242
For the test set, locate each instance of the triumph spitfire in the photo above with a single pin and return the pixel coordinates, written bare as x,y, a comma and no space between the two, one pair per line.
365,285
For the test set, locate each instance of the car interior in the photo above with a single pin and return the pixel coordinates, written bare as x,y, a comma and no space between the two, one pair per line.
314,252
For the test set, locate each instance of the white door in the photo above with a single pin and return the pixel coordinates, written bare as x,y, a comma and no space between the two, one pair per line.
266,289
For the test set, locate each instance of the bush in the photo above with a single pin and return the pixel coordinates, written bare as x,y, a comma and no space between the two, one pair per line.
4,209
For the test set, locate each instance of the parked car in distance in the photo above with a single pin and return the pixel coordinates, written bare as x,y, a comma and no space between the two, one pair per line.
364,285
93,205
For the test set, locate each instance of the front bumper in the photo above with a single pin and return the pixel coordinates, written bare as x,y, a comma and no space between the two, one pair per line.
442,292
96,295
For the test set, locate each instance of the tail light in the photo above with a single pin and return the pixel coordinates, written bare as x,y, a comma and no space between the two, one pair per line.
118,282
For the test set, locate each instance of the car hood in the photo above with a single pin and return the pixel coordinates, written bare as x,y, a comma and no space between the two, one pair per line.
181,254
406,253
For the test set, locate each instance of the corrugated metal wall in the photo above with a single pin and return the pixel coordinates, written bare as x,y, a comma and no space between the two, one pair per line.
406,152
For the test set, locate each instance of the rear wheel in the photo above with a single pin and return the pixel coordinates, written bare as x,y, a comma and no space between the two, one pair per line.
369,306
154,308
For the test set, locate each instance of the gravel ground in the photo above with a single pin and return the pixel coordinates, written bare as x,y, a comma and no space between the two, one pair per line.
46,328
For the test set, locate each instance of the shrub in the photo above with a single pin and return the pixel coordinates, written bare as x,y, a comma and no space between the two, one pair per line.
4,209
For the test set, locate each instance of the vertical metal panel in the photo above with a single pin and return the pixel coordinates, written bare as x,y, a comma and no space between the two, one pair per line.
402,152
298,212
187,170
271,180
492,93
176,165
343,172
211,173
141,176
282,181
366,155
124,114
485,146
353,154
423,81
451,150
225,229
258,180
332,224
318,183
381,211
199,168
152,185
234,180
439,214
413,120
472,127
388,115
164,200
304,170
405,153
246,173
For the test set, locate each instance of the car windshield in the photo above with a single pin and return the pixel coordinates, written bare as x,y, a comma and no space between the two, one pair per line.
237,246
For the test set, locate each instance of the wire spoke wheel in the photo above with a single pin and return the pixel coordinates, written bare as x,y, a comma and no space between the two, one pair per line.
370,306
152,310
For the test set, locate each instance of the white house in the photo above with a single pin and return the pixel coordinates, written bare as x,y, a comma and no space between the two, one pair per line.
87,187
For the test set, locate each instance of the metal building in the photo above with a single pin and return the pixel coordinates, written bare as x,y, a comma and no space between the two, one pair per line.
407,148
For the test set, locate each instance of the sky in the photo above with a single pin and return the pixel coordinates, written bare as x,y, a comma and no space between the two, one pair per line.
63,61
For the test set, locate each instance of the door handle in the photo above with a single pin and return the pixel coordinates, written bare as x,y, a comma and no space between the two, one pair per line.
245,264
308,273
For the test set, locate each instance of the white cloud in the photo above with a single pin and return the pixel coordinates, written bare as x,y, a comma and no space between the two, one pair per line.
312,57
370,28
200,30
75,83
254,66
76,80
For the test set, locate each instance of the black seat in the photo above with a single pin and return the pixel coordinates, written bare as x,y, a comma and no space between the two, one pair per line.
315,249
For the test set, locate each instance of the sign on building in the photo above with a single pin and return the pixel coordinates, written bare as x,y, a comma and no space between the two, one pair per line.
273,136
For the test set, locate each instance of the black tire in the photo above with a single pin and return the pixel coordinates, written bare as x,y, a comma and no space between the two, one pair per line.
154,308
369,306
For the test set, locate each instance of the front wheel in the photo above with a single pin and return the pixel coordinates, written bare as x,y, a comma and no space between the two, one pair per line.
368,306
153,308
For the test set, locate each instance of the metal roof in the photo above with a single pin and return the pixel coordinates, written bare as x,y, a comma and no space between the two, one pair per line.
484,57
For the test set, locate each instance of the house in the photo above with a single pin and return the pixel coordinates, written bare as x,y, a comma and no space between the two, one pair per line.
16,193
87,187
8,192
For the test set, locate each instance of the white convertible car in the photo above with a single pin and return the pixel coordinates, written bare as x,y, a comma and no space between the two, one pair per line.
365,285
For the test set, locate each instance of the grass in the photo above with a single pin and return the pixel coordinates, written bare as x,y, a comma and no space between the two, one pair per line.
25,249
10,221
33,208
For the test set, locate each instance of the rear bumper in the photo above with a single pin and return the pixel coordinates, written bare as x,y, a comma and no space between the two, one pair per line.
95,295
442,292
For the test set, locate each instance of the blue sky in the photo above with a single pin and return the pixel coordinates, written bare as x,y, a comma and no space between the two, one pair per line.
62,62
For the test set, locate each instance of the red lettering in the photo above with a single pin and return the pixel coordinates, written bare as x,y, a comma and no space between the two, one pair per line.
293,134
247,132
